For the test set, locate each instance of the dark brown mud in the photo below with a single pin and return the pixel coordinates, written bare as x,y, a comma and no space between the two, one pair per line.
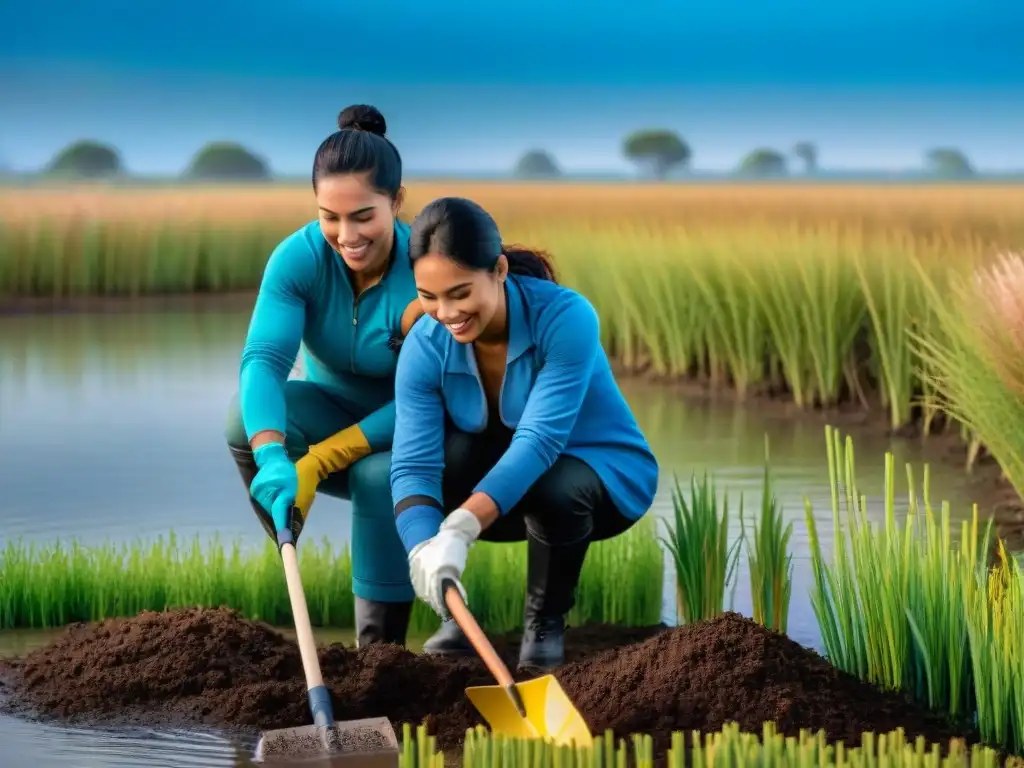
212,667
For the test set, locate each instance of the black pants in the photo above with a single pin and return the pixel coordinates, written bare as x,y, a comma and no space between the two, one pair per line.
562,512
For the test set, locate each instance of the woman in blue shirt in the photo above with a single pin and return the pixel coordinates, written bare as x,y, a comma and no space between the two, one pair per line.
341,285
509,424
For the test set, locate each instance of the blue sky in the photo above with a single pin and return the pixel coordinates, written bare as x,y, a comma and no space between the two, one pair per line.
468,86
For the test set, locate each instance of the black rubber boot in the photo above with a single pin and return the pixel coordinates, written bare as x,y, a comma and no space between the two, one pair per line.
553,573
381,622
448,641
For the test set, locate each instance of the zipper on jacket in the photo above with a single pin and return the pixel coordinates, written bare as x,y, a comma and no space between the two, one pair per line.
355,329
355,323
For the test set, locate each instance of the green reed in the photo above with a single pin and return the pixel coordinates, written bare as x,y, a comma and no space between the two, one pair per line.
727,748
769,560
906,607
698,540
54,584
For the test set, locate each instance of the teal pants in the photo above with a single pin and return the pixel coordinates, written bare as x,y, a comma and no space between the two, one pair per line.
380,568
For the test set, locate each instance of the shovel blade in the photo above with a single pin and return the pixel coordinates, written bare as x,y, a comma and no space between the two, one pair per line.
549,712
367,743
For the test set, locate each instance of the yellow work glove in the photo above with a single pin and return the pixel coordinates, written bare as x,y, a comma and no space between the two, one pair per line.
336,453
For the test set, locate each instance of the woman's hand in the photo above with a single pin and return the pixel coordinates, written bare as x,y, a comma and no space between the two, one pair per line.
443,557
275,485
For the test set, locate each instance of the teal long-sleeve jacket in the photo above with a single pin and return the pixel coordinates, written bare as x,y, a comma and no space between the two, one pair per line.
306,296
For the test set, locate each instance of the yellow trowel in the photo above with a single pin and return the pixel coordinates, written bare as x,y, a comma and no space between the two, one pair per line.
535,709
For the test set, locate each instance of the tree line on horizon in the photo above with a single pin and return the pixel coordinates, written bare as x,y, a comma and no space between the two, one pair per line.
658,153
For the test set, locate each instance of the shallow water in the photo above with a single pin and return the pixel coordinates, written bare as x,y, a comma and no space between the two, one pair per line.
49,746
111,428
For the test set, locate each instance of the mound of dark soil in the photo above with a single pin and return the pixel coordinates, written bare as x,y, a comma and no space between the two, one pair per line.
213,667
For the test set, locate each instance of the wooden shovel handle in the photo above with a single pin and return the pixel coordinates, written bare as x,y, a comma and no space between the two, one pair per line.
475,635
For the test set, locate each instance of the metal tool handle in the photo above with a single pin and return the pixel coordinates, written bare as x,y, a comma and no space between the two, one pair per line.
319,698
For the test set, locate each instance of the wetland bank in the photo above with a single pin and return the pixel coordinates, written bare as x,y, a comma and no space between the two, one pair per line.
213,668
788,308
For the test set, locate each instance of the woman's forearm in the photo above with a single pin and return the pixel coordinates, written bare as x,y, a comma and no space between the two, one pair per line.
483,507
266,437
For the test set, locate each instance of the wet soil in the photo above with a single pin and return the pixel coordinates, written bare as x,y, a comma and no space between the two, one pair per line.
211,667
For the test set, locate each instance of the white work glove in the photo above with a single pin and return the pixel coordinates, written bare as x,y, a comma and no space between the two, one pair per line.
443,557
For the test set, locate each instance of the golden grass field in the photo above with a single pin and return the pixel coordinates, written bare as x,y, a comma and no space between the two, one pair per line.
984,209
824,293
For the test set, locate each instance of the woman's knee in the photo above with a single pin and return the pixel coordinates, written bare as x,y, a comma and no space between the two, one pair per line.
461,451
560,507
234,428
369,483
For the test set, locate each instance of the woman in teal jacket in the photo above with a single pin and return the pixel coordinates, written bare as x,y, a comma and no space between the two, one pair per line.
341,285
509,424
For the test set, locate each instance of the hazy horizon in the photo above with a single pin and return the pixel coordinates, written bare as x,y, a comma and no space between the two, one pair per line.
467,88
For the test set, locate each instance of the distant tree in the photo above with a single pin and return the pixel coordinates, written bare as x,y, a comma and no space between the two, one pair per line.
227,161
537,164
85,159
807,152
659,150
949,162
764,162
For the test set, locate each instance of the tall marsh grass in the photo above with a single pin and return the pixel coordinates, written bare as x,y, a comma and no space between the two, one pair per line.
803,289
59,583
912,606
916,607
975,357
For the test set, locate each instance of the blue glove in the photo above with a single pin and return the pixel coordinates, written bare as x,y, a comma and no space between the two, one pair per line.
276,484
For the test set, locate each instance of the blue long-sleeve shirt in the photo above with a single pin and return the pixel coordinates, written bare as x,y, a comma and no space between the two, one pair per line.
558,394
306,296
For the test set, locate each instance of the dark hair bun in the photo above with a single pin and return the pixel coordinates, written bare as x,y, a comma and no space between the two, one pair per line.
362,117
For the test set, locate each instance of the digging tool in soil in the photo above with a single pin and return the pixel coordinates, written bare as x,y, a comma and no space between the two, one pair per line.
534,709
371,741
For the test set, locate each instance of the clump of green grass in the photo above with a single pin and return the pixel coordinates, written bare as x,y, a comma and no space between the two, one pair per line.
56,584
727,748
769,560
705,563
698,540
898,605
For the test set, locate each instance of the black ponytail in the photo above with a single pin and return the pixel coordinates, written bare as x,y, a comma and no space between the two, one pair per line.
529,262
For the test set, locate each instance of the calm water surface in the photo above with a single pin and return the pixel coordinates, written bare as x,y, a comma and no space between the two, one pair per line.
111,429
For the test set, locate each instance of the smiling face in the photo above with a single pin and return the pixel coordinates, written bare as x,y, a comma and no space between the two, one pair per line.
469,302
357,220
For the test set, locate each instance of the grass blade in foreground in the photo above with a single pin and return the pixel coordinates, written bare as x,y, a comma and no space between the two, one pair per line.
728,748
